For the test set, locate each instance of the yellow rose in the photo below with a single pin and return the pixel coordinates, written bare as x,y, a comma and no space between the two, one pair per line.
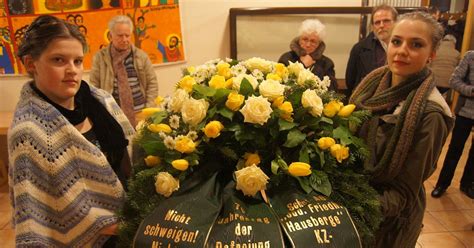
311,100
217,82
191,69
159,100
326,142
299,169
213,129
165,184
223,69
271,89
178,99
273,76
184,145
257,110
251,180
194,111
287,110
281,70
251,159
340,152
229,82
147,112
346,110
234,101
180,164
278,101
331,108
186,83
306,75
151,160
156,128
260,64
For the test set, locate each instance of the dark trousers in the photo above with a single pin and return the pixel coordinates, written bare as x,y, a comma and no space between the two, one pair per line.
461,131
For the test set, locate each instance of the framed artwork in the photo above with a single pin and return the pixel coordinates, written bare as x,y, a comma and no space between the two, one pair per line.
157,26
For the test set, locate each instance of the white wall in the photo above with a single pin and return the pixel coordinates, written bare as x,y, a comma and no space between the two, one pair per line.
205,26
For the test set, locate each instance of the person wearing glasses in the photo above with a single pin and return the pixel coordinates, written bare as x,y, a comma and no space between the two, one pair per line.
308,49
370,53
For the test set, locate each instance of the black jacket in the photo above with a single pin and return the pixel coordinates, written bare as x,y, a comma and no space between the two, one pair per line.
322,67
362,60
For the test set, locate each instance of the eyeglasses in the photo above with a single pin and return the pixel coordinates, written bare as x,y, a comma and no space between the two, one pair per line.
384,22
307,40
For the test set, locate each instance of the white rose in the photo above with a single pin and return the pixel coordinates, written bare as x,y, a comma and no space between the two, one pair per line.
306,75
295,68
260,64
236,81
178,99
311,100
165,184
271,89
256,110
251,180
194,111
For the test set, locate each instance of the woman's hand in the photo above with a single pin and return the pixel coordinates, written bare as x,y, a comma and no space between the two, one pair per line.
307,60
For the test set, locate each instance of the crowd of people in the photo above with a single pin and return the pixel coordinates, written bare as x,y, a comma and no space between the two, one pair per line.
70,140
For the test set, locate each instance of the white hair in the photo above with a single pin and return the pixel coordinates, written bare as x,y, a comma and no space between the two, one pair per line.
120,19
309,26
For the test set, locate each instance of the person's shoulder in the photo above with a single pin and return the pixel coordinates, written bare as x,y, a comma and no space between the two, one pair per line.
469,55
437,103
287,56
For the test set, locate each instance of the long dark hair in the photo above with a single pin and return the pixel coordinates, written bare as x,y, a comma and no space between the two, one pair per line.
42,31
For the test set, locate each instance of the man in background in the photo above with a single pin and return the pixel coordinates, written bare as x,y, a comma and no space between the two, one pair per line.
370,53
124,70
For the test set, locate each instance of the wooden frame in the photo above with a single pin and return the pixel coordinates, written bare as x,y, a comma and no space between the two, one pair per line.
234,13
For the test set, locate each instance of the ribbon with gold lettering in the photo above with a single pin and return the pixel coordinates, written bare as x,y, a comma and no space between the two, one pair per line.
184,219
244,222
312,220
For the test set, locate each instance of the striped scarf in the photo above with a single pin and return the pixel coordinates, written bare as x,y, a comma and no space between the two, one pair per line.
375,94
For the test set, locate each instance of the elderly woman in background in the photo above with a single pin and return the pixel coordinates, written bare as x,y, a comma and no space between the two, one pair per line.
308,49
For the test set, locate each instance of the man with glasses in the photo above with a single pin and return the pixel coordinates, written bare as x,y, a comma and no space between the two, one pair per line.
370,53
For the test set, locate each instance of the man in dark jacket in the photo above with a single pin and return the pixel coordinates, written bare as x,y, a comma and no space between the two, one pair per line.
370,53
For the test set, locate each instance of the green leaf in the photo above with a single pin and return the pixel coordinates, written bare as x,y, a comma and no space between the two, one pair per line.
295,97
304,154
211,112
275,166
246,88
152,147
228,152
234,127
294,138
221,95
158,117
327,120
244,135
286,125
342,133
204,90
225,112
320,182
305,184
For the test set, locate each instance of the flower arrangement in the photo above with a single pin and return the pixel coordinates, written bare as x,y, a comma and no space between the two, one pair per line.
270,121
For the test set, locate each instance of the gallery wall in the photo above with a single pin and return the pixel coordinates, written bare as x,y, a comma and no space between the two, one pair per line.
205,26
